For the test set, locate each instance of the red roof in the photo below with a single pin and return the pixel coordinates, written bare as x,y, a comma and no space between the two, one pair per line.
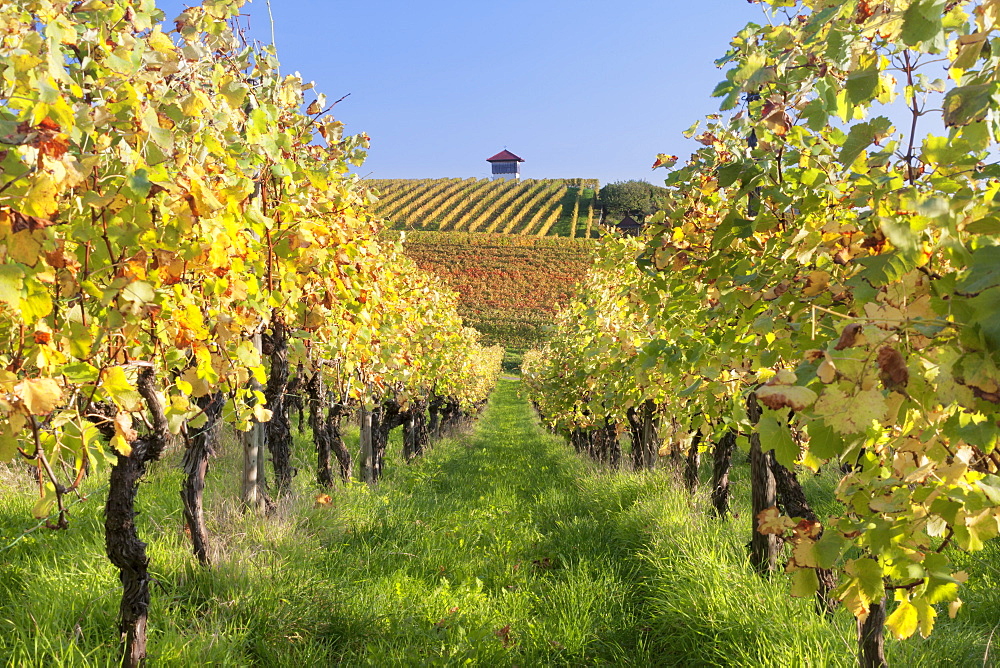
504,156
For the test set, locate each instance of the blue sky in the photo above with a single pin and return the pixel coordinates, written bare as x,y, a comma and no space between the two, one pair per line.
576,88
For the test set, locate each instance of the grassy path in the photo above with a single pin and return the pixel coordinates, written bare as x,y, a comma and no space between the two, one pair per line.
493,550
498,548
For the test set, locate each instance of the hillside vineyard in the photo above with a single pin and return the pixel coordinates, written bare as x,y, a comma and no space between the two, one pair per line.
533,207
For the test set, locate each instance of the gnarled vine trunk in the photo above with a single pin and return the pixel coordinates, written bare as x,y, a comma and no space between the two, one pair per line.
451,415
642,429
296,396
415,433
614,447
200,447
871,637
124,548
722,457
388,417
367,456
316,392
375,427
434,407
333,417
254,482
279,432
692,463
324,420
380,439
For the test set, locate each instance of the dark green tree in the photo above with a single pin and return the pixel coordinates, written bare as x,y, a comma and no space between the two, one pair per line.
635,198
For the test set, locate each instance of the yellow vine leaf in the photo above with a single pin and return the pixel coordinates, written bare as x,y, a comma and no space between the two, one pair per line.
119,389
23,247
44,504
124,434
816,282
123,447
904,620
160,42
827,370
850,414
804,553
953,607
40,395
261,414
925,615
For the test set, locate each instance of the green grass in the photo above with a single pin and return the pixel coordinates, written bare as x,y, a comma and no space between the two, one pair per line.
512,358
501,547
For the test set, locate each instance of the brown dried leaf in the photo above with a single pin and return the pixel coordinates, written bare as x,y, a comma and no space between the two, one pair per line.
816,282
503,634
778,122
849,337
123,427
706,138
892,368
808,529
776,291
843,256
813,355
19,222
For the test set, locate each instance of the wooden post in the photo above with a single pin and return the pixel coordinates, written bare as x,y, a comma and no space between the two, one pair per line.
650,444
763,548
253,494
367,453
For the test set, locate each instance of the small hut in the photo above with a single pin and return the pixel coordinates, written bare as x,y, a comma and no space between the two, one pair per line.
629,227
505,165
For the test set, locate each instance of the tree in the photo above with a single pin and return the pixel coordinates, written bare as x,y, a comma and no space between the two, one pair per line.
635,198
